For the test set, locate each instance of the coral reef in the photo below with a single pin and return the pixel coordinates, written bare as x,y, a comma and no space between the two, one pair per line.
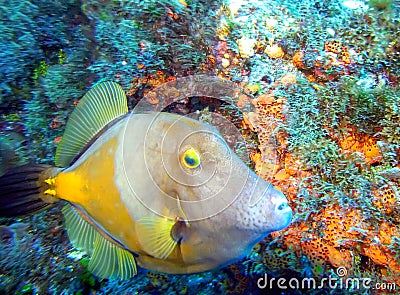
326,139
323,77
150,36
19,47
42,70
41,253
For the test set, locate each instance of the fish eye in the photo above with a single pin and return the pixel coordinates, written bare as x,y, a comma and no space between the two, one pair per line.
191,158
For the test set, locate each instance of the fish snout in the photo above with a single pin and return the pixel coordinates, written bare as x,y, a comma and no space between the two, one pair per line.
282,210
283,206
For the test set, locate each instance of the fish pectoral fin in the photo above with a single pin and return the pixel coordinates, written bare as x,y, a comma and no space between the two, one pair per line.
110,260
154,233
107,258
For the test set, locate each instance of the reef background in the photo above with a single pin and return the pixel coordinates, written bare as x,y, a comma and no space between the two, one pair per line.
324,77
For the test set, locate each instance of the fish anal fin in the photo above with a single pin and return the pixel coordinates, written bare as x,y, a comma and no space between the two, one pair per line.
107,258
111,261
80,232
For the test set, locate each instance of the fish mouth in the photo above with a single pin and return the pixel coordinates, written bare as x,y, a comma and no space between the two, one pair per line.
283,207
287,215
282,210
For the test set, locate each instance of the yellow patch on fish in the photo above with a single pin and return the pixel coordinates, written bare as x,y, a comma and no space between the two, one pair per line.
91,186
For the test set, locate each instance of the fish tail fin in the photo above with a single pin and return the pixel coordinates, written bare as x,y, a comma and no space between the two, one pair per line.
24,190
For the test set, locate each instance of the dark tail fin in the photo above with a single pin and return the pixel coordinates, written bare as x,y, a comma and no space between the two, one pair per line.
21,190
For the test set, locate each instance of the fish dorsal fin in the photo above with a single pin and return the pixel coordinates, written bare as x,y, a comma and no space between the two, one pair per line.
103,103
154,233
107,259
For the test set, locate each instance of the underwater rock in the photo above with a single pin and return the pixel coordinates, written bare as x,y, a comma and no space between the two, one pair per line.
11,144
274,51
246,47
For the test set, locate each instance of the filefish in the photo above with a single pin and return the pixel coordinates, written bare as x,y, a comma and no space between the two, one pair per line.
153,189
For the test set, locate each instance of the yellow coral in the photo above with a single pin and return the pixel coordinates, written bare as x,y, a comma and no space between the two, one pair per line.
288,79
365,145
297,60
376,253
386,232
274,51
319,253
333,46
385,198
345,57
292,166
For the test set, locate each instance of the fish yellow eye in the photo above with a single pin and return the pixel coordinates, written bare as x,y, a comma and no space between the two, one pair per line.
191,159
